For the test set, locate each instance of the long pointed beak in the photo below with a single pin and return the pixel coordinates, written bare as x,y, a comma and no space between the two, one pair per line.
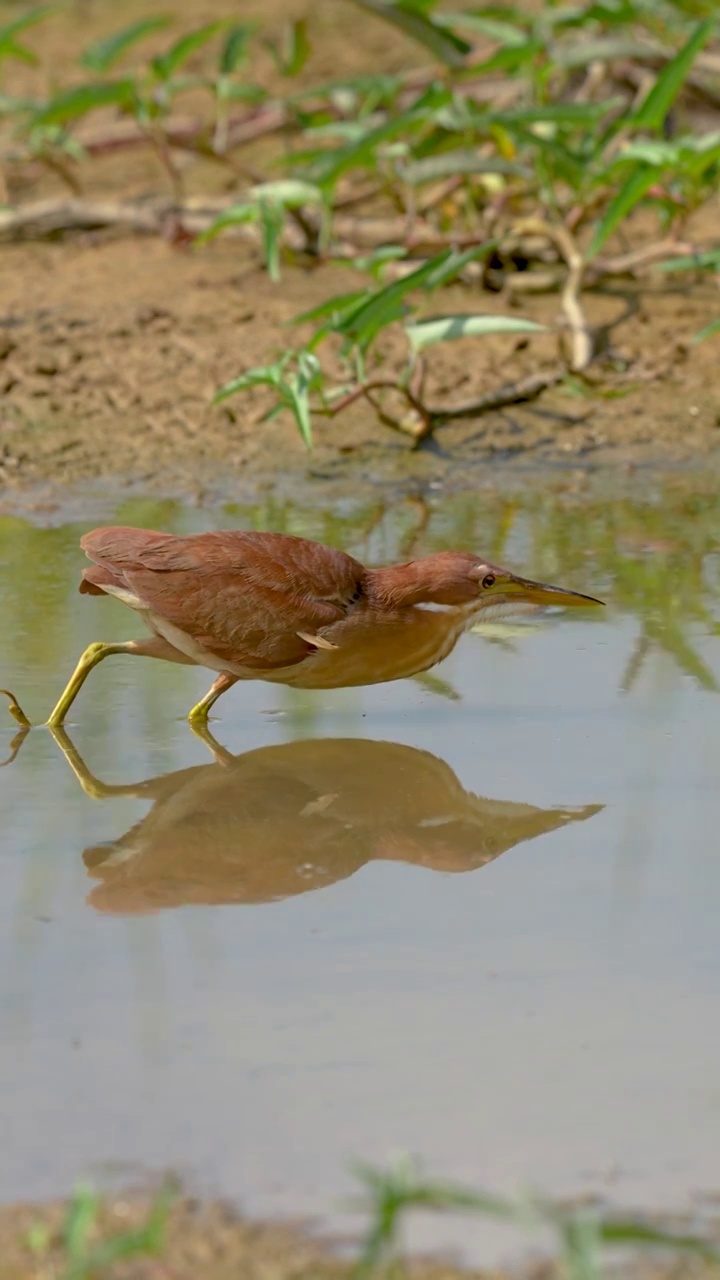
543,593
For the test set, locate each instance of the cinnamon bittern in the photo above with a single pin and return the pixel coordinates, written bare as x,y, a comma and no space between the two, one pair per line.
268,606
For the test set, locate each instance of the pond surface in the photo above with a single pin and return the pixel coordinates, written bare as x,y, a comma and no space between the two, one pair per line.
473,918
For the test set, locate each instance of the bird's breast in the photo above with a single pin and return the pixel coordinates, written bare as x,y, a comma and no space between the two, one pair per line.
373,647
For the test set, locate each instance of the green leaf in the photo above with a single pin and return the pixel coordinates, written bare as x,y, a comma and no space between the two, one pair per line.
623,1231
333,307
290,192
652,112
693,262
510,58
374,262
503,33
266,206
603,49
363,323
423,333
235,48
8,33
166,64
654,151
449,49
293,52
38,1238
10,106
581,1240
328,166
461,161
18,51
103,54
708,332
76,102
146,1240
272,221
261,376
629,194
296,393
81,1216
239,214
570,113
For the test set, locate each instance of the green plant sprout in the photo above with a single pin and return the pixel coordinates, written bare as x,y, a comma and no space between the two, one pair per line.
87,1251
531,143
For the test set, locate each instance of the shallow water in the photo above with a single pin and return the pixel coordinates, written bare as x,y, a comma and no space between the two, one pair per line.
473,918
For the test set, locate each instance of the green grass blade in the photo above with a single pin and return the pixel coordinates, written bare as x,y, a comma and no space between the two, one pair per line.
166,64
293,51
621,1231
603,49
235,48
298,404
503,33
260,376
288,191
272,221
328,166
708,332
387,305
460,161
29,19
424,333
568,113
443,43
81,1216
339,305
652,112
10,49
630,193
694,262
73,103
103,54
236,216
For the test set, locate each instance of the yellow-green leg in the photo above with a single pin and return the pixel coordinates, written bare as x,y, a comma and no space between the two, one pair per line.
92,655
202,730
199,713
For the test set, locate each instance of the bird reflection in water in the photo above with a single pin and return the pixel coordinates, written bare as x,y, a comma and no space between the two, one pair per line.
284,820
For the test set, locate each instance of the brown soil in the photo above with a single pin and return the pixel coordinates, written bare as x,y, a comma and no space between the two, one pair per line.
111,347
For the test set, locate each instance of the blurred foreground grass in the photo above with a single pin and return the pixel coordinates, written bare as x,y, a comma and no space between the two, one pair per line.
170,1235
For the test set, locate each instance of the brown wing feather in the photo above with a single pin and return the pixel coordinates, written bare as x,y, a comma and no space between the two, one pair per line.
243,596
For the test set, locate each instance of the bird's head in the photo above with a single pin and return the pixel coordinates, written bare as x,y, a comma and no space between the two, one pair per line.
450,580
500,590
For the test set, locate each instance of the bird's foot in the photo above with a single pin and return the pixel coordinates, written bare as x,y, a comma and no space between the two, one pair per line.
16,710
202,730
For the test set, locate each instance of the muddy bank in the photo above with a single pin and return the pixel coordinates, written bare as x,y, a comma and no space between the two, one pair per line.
111,350
113,344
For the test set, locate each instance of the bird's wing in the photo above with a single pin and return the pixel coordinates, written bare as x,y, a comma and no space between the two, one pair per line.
253,599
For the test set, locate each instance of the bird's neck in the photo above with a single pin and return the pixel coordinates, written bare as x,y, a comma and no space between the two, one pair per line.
399,586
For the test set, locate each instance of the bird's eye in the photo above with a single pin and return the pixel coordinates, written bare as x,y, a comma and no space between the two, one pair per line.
489,580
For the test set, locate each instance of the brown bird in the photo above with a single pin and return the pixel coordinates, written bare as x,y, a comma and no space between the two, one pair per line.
287,819
267,606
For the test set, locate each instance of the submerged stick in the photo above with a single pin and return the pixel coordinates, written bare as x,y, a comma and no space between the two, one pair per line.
15,746
16,710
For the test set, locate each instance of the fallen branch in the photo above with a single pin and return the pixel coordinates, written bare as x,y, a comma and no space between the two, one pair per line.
510,393
418,424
